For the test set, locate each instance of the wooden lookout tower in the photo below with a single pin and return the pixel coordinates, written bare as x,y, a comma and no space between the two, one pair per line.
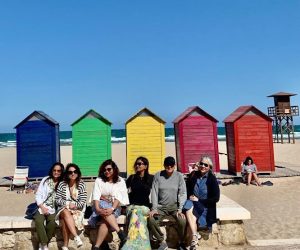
282,114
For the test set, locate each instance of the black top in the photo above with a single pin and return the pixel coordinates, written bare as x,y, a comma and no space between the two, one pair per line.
213,194
139,189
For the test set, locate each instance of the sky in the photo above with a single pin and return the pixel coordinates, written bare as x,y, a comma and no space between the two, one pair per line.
117,57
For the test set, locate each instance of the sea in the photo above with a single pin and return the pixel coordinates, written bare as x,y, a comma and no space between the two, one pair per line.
117,136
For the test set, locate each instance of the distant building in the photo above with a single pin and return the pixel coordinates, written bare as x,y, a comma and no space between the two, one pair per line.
249,133
145,136
196,135
37,143
91,142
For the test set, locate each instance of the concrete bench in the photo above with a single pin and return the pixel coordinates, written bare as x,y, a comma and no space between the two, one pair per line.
19,233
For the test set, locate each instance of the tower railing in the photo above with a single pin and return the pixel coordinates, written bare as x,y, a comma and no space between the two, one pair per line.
287,111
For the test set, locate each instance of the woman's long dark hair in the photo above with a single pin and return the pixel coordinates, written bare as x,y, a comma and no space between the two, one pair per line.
50,173
146,163
102,167
66,176
247,159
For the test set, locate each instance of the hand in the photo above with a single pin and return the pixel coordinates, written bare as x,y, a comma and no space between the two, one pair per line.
193,198
45,210
152,213
180,215
72,206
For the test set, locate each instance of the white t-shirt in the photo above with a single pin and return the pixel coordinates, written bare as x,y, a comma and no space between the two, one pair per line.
115,190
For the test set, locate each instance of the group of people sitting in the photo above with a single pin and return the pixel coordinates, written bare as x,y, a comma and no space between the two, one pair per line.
62,199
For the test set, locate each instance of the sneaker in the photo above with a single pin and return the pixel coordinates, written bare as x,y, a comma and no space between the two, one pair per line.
78,241
163,246
64,248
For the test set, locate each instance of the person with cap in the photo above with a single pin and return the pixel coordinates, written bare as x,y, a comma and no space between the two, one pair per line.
168,196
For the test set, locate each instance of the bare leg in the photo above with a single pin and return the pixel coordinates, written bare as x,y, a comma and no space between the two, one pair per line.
191,220
111,220
69,221
256,179
101,235
65,232
249,178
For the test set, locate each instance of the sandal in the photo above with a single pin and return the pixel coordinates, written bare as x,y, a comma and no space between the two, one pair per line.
194,242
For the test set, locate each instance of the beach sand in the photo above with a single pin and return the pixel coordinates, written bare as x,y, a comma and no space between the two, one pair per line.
274,209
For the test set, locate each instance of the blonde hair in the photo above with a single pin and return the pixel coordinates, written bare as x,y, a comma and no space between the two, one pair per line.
207,159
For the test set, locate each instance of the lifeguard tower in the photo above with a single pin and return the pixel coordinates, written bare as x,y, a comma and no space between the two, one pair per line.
282,114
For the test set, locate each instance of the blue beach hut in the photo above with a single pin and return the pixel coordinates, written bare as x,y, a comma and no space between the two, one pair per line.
37,143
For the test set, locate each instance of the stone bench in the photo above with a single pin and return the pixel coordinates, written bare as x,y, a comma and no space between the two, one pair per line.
19,233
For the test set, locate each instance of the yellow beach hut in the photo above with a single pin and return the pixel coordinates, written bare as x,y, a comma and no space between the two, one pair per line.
145,136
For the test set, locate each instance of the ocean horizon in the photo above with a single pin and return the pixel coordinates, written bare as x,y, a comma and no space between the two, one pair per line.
117,136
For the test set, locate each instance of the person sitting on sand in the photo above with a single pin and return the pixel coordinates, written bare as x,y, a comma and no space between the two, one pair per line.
249,171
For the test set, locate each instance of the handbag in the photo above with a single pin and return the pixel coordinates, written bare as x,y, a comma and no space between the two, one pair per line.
31,210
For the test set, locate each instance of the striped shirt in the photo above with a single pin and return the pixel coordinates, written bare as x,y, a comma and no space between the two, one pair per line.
61,197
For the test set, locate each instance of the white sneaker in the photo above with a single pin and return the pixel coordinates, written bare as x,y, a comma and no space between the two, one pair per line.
64,248
78,241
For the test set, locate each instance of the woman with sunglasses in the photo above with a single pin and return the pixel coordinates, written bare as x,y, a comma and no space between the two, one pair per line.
109,193
139,188
45,199
71,199
203,193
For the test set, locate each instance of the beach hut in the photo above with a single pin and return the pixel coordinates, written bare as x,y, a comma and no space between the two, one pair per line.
37,143
145,136
249,133
195,135
91,142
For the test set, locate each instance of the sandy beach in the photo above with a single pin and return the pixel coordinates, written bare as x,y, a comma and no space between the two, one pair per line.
274,209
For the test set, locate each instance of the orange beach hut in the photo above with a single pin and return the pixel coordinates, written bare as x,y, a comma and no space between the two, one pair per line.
145,136
249,133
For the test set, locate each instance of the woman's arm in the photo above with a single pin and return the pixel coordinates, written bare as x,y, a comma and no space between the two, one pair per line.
82,196
60,198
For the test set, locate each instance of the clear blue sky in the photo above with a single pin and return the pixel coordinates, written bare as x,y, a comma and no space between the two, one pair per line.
65,57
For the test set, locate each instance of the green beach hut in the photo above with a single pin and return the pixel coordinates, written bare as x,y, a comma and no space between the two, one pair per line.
91,136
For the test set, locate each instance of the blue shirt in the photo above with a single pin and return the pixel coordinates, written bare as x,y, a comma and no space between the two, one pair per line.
200,189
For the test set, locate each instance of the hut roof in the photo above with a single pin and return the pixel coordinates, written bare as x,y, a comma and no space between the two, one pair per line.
241,111
146,111
40,115
281,94
93,113
190,110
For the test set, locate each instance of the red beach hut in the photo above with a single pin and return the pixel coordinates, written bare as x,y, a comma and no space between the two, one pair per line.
196,135
249,133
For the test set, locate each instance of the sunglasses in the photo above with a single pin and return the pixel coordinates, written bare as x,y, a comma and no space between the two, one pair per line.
107,169
203,164
72,172
139,163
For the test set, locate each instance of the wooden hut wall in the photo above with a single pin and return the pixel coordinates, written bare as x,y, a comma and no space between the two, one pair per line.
91,144
37,146
145,136
197,136
254,138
